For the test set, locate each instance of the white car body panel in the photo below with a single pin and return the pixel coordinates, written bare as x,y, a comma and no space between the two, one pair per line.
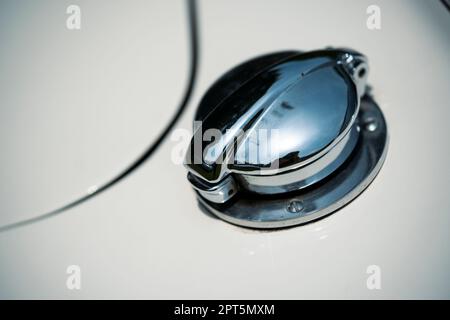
146,236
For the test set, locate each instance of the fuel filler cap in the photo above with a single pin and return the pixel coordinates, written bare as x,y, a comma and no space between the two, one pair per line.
286,138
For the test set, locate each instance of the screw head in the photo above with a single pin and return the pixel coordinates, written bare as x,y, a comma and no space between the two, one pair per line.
295,206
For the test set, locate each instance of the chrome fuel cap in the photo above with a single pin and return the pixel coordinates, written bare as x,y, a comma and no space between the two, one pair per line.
286,138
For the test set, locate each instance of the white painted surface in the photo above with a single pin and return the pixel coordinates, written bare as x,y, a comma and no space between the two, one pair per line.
146,237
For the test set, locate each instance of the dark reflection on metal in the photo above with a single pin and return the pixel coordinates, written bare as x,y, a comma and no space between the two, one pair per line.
194,57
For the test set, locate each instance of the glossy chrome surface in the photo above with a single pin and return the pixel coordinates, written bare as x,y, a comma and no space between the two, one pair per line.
218,193
305,176
277,124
